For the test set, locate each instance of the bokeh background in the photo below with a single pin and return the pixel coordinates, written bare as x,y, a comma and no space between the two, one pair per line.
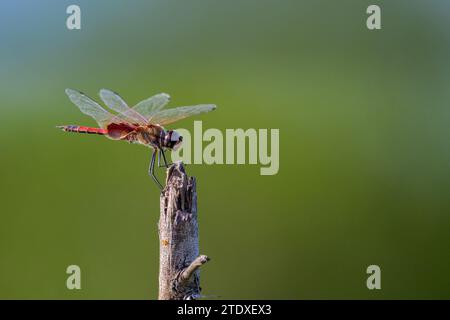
364,147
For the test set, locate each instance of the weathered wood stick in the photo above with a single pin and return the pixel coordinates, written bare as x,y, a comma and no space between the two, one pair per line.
179,259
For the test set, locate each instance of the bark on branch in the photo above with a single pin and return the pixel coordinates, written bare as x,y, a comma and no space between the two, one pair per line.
179,261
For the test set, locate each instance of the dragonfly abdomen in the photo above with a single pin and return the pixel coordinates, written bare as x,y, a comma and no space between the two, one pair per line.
82,129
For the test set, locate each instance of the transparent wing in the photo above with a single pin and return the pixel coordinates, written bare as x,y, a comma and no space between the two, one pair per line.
152,105
116,103
171,115
89,107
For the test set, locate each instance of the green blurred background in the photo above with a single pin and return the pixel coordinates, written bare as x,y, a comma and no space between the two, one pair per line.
364,159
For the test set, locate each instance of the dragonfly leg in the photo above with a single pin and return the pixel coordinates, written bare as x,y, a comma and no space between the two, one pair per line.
161,153
151,170
164,158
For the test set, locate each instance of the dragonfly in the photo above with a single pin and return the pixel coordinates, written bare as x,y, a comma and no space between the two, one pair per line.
142,124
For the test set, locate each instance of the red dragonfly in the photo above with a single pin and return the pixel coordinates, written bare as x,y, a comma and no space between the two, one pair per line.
141,124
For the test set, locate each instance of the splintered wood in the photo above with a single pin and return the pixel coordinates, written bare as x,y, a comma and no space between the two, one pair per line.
179,262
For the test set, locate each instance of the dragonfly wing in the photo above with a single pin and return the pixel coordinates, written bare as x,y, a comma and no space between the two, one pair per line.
152,105
116,103
89,107
171,115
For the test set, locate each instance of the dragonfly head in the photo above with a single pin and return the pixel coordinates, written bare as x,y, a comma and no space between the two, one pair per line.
172,140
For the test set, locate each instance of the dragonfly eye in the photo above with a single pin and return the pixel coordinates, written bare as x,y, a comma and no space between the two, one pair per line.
172,140
175,137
